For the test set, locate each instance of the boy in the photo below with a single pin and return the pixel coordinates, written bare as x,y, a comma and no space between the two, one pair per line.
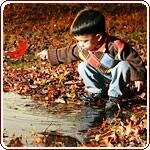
105,59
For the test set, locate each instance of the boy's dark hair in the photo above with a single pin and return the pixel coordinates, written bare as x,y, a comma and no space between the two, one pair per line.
88,21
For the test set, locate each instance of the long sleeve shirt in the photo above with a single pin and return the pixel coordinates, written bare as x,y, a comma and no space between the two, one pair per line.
116,48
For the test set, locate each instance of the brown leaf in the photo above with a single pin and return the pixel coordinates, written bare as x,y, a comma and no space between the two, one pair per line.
15,142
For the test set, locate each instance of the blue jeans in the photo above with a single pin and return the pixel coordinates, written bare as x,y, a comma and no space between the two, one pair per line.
95,81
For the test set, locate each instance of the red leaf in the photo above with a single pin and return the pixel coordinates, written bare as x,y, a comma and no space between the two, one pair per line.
20,50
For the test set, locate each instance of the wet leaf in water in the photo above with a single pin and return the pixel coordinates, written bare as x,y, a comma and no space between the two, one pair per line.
16,142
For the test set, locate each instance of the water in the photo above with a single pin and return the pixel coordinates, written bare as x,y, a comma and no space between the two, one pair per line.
25,117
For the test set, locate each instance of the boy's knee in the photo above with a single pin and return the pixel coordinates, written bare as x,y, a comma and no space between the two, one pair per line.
82,66
123,66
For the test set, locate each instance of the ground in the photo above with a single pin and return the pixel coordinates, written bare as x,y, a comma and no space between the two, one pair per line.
43,28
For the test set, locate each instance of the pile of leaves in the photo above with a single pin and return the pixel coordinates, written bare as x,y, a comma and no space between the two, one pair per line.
129,132
54,139
47,139
43,28
47,84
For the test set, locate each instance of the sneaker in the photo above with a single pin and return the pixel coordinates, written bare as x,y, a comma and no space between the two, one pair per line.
90,97
111,108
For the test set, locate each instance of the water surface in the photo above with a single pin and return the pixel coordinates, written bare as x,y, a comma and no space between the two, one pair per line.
25,117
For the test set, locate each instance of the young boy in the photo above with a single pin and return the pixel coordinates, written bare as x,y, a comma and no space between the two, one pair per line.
105,59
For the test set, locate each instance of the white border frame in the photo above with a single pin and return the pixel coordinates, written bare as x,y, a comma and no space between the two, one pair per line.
2,146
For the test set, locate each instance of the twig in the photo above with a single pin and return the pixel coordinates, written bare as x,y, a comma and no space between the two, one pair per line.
47,127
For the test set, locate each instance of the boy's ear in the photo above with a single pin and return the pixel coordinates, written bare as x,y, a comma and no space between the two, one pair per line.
99,36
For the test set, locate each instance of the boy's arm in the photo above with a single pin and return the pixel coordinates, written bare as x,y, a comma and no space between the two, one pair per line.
137,71
63,55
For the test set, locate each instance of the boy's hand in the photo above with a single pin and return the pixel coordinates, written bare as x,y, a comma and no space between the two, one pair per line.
43,54
139,85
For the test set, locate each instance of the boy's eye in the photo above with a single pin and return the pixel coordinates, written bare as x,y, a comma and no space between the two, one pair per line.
85,41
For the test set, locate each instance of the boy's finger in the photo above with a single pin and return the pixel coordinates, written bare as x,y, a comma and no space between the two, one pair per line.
135,84
138,87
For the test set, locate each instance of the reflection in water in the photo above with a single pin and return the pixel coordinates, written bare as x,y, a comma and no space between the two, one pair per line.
23,116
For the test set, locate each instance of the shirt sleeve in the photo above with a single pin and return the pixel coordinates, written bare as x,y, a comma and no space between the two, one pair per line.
137,69
64,55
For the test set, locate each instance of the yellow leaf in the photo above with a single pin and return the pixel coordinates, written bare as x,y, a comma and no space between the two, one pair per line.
128,129
38,140
68,95
97,137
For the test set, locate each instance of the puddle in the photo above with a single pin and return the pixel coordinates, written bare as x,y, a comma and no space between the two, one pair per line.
24,117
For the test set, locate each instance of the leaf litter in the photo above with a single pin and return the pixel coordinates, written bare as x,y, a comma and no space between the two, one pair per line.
28,75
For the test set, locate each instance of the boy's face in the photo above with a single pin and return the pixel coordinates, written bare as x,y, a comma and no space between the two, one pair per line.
88,41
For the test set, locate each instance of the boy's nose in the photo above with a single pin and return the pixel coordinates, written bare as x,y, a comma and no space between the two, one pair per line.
81,44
